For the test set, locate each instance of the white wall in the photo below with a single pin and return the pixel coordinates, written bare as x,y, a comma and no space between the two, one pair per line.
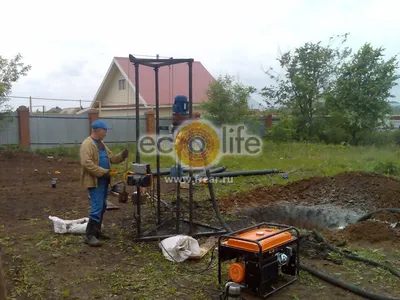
113,95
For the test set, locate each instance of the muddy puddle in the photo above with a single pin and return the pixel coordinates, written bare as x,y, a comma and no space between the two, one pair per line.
302,216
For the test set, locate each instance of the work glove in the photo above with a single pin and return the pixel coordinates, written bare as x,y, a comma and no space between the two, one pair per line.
125,153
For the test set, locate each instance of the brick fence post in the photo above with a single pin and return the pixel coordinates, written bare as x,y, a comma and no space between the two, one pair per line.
268,121
93,116
23,124
150,122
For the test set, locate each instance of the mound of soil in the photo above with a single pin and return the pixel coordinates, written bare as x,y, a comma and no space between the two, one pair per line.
387,217
312,248
352,189
368,231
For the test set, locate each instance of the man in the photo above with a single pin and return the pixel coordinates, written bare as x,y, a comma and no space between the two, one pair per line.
96,160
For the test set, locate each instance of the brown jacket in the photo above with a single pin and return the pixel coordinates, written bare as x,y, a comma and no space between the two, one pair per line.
90,169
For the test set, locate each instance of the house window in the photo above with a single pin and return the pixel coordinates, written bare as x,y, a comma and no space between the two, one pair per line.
121,84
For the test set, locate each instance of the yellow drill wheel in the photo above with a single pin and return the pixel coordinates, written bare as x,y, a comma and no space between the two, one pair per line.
197,144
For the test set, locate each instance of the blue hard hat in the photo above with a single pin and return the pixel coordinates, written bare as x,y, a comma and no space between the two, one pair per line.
100,124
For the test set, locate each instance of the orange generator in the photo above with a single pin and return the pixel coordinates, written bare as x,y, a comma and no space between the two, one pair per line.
265,257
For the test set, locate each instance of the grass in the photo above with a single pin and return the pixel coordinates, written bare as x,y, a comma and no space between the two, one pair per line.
362,274
28,275
30,278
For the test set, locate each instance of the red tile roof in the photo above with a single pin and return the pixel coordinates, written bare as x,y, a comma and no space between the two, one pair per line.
172,82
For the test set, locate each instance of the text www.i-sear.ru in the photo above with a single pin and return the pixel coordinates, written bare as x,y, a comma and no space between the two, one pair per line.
198,179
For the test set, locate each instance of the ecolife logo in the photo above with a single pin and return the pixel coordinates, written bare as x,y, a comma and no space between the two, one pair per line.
199,144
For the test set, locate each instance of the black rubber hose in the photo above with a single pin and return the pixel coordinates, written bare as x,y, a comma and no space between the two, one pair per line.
369,215
344,285
354,257
216,170
237,173
245,173
215,205
167,171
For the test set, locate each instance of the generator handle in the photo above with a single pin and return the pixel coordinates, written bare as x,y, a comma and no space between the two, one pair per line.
287,228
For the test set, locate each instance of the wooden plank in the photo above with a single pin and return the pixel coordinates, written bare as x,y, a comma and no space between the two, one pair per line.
205,247
111,205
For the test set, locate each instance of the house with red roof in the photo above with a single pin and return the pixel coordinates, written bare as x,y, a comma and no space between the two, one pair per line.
116,94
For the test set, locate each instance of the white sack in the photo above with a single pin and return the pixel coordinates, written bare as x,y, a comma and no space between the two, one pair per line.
178,248
69,226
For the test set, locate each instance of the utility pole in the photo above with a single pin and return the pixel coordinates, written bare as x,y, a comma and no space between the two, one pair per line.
30,104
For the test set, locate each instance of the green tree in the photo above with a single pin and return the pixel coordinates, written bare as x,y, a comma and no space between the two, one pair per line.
10,72
309,72
227,101
363,90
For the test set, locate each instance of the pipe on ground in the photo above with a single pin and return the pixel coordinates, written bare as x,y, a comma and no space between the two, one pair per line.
369,215
355,257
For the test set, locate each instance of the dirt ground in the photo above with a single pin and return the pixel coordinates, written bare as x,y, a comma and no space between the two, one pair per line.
354,189
40,264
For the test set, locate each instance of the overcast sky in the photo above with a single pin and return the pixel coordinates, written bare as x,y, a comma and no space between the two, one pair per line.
70,44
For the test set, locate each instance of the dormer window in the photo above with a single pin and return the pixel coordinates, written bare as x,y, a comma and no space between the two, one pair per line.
121,84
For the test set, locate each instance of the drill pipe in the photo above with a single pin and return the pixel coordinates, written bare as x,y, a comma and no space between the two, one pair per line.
166,171
238,173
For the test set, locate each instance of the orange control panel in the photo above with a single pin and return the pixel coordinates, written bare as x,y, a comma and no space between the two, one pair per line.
257,234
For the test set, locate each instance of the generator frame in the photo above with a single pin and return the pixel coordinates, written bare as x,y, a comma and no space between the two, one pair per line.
157,63
258,255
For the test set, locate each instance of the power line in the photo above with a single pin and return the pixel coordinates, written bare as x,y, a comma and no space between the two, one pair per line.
49,99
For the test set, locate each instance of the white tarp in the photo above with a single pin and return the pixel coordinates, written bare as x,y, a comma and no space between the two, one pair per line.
69,226
178,248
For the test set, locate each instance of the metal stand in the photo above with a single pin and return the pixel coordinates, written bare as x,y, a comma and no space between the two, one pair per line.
156,64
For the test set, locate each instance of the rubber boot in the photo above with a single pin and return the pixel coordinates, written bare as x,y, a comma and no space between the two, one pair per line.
99,233
91,233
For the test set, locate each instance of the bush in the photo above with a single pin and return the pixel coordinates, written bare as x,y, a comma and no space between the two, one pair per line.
387,168
334,135
9,151
378,138
282,131
60,151
329,131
